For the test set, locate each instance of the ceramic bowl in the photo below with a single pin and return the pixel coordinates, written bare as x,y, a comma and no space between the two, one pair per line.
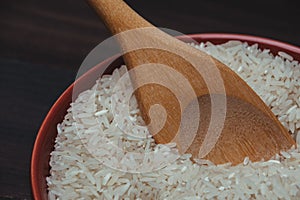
44,143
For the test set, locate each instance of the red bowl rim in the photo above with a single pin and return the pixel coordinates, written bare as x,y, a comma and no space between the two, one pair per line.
243,37
265,43
202,36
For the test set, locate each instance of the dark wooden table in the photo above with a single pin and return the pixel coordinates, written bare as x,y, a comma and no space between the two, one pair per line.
42,44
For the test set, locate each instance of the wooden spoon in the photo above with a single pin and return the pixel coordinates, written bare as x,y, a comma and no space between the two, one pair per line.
216,116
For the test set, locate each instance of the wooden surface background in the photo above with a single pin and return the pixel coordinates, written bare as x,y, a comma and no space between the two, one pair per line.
42,44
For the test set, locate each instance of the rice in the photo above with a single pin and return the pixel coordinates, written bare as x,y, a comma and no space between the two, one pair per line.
78,173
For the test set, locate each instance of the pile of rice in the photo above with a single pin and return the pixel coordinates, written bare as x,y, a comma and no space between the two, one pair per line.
78,173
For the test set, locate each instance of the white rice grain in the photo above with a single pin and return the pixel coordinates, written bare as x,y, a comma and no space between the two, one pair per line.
77,174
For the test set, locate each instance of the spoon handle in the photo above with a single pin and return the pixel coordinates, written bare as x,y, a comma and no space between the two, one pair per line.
118,16
163,58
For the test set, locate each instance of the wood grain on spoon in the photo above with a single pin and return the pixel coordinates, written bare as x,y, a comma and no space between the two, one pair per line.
247,126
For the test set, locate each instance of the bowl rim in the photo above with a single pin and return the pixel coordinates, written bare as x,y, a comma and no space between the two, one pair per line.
245,37
201,36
